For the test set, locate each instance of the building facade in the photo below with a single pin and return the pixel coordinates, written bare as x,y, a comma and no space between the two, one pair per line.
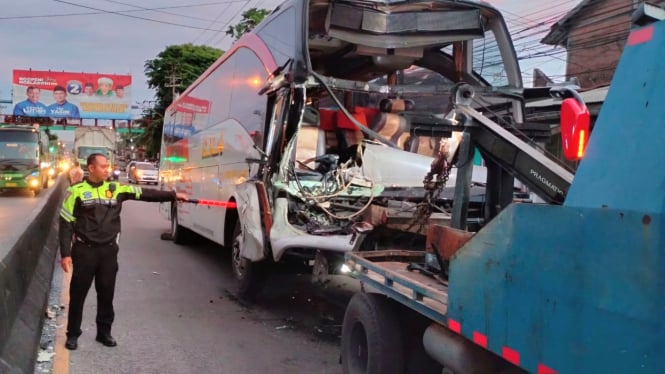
593,33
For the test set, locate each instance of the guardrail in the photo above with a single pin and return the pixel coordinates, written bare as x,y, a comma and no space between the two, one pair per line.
26,269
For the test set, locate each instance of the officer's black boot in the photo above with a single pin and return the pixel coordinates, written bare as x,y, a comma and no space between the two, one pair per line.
104,336
106,339
72,343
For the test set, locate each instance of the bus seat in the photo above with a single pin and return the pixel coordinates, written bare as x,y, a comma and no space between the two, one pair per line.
310,141
395,105
351,134
370,113
391,125
426,146
328,125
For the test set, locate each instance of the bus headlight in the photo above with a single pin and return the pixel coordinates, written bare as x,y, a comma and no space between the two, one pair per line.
34,183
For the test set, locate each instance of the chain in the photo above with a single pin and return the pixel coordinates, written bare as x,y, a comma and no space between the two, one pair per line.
440,168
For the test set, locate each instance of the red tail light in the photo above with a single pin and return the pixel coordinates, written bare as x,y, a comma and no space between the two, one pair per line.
575,123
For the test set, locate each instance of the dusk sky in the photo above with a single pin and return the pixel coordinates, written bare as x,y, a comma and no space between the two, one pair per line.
118,36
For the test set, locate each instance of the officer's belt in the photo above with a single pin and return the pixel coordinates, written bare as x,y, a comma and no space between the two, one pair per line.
92,244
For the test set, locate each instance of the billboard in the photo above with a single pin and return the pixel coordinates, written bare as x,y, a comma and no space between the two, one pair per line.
71,95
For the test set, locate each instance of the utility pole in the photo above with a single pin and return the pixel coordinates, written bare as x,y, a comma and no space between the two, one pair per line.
174,82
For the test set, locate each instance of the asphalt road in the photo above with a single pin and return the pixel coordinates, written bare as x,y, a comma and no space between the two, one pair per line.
174,313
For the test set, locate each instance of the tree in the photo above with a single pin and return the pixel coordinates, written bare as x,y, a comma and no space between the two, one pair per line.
171,72
250,18
176,67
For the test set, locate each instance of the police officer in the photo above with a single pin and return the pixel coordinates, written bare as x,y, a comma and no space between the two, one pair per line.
89,233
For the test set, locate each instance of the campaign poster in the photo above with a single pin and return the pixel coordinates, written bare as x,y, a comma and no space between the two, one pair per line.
71,95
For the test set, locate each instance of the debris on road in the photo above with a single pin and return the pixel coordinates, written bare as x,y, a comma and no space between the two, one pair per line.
45,356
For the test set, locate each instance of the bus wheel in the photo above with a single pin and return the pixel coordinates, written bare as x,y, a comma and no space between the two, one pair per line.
250,276
371,336
45,184
36,191
179,234
321,270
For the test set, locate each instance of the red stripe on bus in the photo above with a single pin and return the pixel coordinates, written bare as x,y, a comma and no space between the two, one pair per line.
640,36
225,204
480,339
542,369
454,326
511,355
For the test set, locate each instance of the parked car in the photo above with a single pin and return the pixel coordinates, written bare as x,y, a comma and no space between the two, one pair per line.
142,172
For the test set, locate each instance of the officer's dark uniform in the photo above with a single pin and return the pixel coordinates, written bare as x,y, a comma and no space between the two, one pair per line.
90,215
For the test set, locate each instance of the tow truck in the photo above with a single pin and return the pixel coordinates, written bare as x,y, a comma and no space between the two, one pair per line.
570,287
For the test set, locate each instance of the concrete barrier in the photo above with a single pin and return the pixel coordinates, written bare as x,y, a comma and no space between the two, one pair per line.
25,279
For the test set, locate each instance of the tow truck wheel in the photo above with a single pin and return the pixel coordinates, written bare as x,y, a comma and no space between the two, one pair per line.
250,276
179,234
371,336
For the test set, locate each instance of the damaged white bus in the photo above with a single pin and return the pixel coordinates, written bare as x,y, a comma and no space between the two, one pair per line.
329,128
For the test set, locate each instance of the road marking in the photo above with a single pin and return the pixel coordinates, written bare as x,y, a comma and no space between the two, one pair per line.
61,360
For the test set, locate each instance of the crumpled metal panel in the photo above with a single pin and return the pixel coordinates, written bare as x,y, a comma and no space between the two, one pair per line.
247,200
363,19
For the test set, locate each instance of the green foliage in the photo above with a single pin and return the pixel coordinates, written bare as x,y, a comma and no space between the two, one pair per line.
178,65
152,136
250,18
171,72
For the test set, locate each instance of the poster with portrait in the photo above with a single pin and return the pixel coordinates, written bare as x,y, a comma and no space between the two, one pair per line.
71,95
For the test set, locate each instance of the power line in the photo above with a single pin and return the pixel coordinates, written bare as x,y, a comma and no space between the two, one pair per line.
210,25
492,52
531,42
131,16
528,21
229,22
169,13
119,11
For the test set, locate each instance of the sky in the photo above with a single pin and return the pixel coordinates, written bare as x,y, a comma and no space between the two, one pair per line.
118,36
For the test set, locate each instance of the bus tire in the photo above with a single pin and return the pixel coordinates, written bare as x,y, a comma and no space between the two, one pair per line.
45,184
250,276
371,336
36,191
179,234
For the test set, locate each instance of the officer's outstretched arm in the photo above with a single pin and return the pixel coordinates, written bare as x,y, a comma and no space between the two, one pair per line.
126,192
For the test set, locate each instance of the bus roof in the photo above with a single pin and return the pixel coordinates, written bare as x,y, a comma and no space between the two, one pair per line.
347,31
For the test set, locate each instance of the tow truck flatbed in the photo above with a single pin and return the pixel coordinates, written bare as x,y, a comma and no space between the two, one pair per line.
388,271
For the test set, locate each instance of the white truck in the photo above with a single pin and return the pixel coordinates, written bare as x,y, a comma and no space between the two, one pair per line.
89,140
